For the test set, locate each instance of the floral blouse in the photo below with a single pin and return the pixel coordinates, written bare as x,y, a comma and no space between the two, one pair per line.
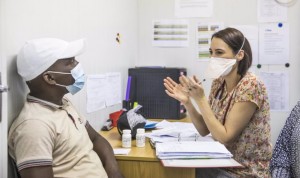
253,147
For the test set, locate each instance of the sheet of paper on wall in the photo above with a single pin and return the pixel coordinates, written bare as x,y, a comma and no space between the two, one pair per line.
277,84
251,33
204,32
274,43
170,33
96,91
271,11
193,8
103,90
114,87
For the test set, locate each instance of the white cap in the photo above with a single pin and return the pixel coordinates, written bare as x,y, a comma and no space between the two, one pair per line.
140,130
37,55
126,131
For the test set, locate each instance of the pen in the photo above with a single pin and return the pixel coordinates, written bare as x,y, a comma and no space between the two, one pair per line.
128,88
203,80
199,83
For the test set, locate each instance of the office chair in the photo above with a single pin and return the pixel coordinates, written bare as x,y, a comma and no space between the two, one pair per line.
15,171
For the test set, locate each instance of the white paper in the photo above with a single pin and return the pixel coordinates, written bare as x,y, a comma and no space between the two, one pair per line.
274,43
251,33
278,91
103,90
191,149
121,151
270,11
96,91
176,131
193,8
170,33
166,138
200,163
114,86
204,33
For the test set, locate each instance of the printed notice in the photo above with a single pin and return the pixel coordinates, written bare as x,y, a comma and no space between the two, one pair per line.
170,33
103,91
270,11
273,43
277,87
193,8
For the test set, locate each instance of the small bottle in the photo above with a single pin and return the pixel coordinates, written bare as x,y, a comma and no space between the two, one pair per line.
140,138
126,138
135,104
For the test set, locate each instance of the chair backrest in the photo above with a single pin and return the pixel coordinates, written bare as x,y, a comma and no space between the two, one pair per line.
15,173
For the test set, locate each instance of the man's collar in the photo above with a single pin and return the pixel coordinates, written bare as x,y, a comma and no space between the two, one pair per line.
47,103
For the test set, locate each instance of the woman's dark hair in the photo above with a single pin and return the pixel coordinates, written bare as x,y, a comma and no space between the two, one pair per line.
234,39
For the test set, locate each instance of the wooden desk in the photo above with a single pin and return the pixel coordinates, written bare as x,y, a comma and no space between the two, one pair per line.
142,162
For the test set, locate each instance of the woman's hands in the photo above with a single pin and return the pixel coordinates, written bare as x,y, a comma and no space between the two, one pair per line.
188,87
176,91
194,86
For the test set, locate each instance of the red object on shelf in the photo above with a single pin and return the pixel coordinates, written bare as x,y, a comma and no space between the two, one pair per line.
115,117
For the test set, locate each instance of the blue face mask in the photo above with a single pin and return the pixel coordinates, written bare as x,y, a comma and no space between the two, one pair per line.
79,77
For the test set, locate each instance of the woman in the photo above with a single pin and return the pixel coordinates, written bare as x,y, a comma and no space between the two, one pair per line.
237,111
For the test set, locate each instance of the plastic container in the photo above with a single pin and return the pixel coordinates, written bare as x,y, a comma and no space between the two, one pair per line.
140,137
126,138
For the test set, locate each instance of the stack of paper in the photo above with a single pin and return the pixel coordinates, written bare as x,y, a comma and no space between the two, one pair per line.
175,132
191,149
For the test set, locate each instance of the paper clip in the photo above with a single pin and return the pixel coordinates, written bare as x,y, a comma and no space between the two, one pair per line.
179,137
196,137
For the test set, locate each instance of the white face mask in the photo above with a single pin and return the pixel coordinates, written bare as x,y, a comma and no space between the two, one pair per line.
219,67
79,77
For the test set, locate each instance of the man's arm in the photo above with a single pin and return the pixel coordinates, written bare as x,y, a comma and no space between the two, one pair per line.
105,152
37,172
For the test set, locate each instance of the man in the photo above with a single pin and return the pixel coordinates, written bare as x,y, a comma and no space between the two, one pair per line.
49,138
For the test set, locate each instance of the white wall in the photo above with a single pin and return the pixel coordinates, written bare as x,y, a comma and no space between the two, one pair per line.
96,20
3,115
231,12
